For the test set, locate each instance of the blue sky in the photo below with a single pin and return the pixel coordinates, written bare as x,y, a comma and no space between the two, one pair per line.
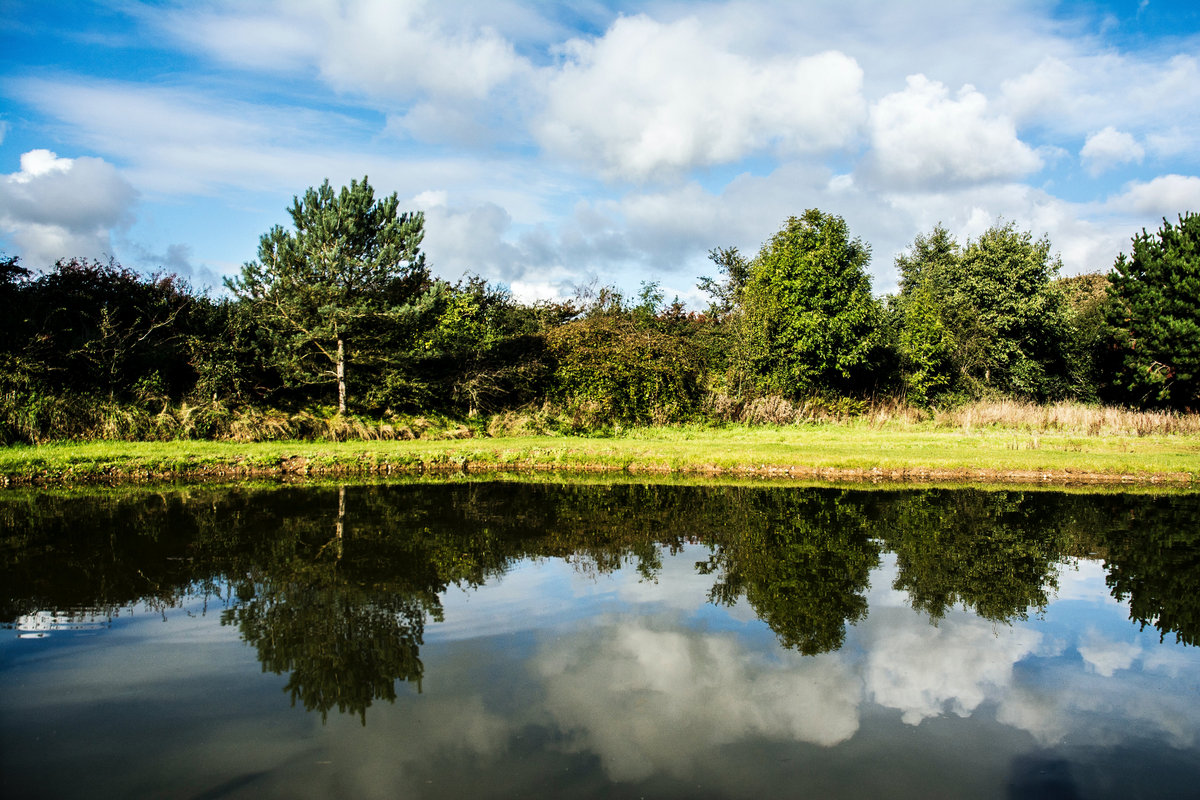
550,144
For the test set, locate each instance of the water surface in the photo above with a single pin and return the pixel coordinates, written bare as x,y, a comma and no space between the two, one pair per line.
621,640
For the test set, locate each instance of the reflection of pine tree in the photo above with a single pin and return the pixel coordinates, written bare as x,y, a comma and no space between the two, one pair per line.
1154,562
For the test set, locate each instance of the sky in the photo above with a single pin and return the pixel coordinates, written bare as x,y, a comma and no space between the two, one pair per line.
555,145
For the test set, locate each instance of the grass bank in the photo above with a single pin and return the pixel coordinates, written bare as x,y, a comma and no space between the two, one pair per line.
853,450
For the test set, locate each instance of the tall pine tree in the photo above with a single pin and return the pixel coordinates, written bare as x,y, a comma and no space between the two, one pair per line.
1154,315
329,286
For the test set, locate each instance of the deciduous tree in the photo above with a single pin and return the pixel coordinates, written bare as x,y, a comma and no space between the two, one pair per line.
810,321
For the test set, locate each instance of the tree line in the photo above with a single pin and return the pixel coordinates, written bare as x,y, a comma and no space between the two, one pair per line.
341,313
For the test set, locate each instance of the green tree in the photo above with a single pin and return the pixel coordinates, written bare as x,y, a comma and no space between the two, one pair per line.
1154,314
995,552
985,317
801,559
810,322
351,266
485,350
1086,301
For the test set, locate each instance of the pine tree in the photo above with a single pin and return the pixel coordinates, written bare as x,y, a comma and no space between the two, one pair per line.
328,286
1154,316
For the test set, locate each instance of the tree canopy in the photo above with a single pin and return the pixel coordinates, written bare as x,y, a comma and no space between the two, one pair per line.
982,318
810,321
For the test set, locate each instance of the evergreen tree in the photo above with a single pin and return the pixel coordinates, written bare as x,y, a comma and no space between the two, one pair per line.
330,286
1154,314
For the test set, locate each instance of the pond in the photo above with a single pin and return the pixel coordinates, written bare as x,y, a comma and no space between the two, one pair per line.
506,638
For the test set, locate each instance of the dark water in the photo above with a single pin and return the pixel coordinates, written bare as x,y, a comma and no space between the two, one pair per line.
511,639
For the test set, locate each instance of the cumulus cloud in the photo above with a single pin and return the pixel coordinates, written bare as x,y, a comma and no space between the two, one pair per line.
56,208
1166,195
1105,656
1084,92
650,97
923,671
1099,707
1110,148
922,136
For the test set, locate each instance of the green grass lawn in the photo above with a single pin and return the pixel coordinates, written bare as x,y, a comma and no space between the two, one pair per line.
829,450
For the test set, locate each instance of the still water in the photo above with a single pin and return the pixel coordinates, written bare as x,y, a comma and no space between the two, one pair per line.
506,639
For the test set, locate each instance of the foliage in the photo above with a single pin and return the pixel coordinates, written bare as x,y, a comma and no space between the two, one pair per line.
95,327
994,552
1085,297
803,562
351,266
623,364
485,351
1154,314
984,318
810,323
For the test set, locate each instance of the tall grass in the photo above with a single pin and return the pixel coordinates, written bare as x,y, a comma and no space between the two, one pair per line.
43,418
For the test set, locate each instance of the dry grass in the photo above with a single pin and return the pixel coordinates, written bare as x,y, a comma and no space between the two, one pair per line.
1073,418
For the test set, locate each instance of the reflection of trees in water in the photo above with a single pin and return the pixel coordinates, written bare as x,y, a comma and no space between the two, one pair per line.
1154,563
802,560
995,552
341,644
343,615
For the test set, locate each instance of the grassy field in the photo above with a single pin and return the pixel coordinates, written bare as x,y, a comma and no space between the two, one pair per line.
855,450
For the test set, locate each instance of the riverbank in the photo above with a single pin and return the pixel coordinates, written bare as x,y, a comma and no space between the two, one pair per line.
828,451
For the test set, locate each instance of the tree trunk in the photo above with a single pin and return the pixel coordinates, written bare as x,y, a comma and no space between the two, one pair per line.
341,375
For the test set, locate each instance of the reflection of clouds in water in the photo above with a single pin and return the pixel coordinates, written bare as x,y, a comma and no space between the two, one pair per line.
647,700
1105,656
1173,661
1083,579
921,670
678,585
503,605
880,594
1091,709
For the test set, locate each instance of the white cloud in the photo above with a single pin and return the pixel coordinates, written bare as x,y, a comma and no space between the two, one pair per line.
1105,656
923,137
1110,148
62,208
382,48
1085,91
178,141
649,98
1040,91
1166,195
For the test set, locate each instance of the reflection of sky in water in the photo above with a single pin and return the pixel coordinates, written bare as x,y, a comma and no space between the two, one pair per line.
559,680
